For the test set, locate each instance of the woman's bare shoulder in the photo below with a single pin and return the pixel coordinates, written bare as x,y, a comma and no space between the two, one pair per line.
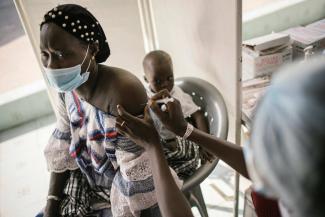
128,90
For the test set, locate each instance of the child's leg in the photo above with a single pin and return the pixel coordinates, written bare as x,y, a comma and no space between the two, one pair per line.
185,159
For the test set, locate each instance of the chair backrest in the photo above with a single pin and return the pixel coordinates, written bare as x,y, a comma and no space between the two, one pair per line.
211,102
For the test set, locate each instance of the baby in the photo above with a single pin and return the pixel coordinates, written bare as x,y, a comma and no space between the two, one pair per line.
182,155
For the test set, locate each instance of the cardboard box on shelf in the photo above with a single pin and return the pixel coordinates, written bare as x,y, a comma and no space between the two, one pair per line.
264,55
252,91
318,26
256,83
267,41
310,35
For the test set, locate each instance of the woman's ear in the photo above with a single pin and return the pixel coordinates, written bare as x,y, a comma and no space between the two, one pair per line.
94,49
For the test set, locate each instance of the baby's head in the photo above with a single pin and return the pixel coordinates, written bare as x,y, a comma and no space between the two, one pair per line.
158,70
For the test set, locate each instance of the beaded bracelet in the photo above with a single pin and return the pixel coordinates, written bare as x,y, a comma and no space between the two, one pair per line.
189,130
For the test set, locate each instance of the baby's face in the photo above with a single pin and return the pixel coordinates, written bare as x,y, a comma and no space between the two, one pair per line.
159,76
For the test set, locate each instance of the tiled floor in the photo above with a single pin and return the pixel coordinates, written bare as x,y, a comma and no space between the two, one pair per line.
24,178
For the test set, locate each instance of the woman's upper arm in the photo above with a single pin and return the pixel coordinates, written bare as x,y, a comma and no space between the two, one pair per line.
133,97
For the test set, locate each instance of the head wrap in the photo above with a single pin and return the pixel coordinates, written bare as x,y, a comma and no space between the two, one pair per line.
79,22
288,139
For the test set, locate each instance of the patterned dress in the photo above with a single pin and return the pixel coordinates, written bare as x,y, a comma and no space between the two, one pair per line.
116,170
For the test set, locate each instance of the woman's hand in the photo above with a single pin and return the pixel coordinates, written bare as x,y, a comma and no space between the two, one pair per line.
173,119
52,209
140,131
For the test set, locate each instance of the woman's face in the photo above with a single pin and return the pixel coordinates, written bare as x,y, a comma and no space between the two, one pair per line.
59,49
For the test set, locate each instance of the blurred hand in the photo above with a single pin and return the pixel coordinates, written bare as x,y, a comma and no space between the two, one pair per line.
173,117
140,131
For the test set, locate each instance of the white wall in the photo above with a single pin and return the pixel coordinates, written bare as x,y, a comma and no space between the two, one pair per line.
203,38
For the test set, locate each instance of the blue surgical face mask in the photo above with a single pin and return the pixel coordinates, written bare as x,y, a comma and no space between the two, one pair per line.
67,79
